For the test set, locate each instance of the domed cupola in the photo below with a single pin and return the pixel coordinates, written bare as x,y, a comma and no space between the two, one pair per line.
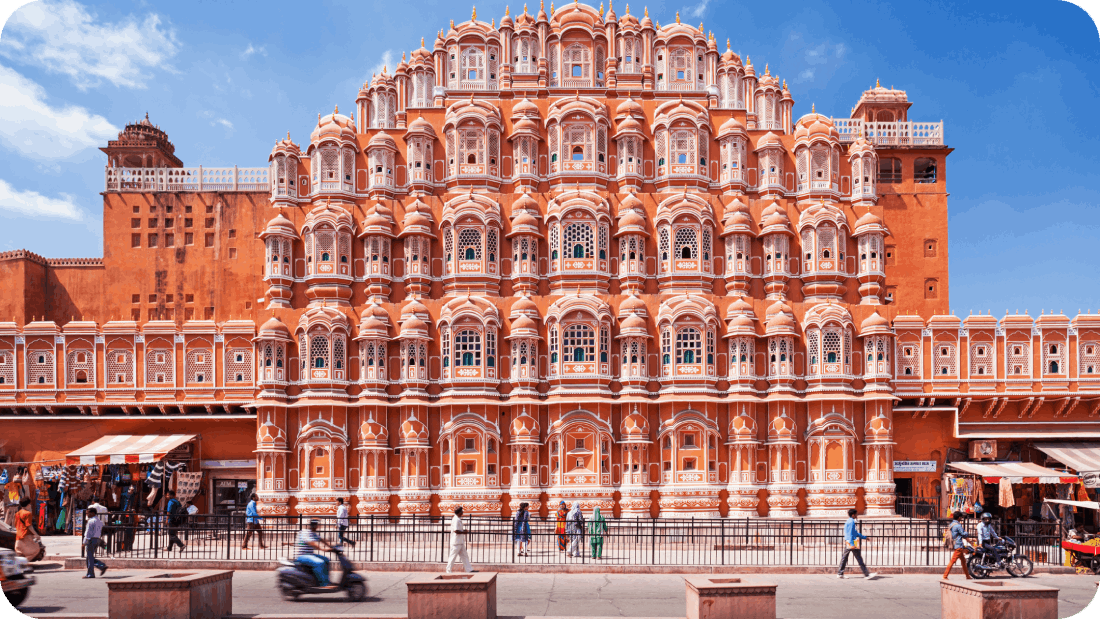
285,161
279,237
377,236
824,231
332,151
381,152
420,152
741,337
631,231
373,338
417,233
524,237
630,138
772,113
770,160
817,157
524,340
870,234
738,231
525,137
634,345
733,144
273,355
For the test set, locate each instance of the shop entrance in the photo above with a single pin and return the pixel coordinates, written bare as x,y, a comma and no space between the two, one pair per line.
231,495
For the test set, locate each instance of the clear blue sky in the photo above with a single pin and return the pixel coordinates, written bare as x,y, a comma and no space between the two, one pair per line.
1016,83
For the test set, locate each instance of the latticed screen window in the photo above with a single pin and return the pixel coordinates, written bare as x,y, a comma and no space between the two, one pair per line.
813,348
524,59
469,244
468,348
908,358
491,242
200,365
1089,363
338,355
663,242
1054,358
473,146
605,343
473,64
553,131
553,346
683,146
80,367
329,165
160,367
819,163
1019,360
666,347
661,147
576,62
945,359
494,62
452,162
448,245
554,64
319,352
7,367
120,367
687,243
689,346
981,360
578,240
238,365
491,348
579,342
577,142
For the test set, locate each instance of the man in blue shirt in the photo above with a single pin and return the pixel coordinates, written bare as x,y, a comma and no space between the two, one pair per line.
988,538
175,521
852,538
252,523
960,545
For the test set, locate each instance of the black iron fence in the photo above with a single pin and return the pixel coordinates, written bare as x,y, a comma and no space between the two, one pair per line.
627,541
926,508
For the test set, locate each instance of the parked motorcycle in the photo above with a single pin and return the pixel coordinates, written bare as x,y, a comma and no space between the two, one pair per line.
15,577
294,580
982,564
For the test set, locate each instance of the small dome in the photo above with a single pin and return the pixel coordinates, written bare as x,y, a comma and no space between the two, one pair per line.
280,226
413,325
629,125
419,126
632,304
769,140
524,323
525,428
526,108
334,125
630,107
525,126
635,425
382,140
270,436
274,325
731,126
414,431
526,305
873,324
634,324
630,223
372,432
525,219
742,427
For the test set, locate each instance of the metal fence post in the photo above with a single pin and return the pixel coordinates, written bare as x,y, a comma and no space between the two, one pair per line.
228,534
442,539
653,541
372,537
722,537
791,544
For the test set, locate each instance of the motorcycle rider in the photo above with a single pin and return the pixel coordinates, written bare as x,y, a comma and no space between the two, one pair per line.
988,538
310,546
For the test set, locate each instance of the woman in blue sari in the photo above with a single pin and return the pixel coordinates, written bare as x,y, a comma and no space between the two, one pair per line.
521,530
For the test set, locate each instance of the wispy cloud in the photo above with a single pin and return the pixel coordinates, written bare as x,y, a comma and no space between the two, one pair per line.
223,122
698,9
387,62
31,127
34,204
64,37
820,59
261,50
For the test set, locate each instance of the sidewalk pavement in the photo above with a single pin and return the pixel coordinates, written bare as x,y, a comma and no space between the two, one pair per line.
611,595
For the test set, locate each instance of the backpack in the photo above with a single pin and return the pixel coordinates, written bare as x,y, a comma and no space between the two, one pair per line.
948,541
175,512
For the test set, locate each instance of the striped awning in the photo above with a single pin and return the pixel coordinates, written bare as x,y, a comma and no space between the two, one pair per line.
1079,456
1016,472
122,448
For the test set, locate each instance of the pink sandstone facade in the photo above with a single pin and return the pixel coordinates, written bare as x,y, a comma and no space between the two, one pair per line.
569,256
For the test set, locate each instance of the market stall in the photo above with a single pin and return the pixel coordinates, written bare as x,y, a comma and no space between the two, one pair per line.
1014,489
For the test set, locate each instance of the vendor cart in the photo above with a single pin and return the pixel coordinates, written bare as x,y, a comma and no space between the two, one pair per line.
1082,554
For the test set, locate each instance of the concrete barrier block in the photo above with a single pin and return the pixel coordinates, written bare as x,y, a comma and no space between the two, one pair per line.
454,596
716,597
997,599
194,594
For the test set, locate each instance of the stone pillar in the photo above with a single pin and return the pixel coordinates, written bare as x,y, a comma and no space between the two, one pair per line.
453,596
709,597
997,599
194,594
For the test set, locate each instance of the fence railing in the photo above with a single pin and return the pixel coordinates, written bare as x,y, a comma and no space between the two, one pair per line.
626,541
186,179
891,133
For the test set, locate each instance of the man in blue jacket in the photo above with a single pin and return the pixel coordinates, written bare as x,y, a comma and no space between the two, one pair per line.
252,523
852,539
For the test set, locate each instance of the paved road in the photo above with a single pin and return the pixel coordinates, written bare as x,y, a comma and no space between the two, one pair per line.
610,595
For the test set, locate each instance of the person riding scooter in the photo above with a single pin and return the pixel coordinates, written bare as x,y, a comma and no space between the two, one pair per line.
988,538
310,546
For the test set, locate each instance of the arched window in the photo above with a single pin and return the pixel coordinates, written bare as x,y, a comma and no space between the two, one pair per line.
468,348
579,341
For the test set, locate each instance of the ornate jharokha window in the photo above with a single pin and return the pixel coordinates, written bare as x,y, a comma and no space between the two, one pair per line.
630,55
472,353
372,357
524,255
279,254
525,55
328,252
524,360
325,359
877,351
472,252
687,351
830,350
732,153
741,357
376,251
417,255
633,358
283,172
272,362
780,361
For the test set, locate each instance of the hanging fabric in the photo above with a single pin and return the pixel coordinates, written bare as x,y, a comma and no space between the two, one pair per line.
187,485
1005,498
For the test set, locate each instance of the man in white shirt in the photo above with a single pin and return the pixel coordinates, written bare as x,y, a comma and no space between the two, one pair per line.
342,522
93,530
458,543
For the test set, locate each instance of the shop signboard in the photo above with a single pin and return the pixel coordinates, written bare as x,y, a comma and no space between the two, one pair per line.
915,466
1091,479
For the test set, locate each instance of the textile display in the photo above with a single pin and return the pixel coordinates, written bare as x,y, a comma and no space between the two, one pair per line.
187,485
1005,497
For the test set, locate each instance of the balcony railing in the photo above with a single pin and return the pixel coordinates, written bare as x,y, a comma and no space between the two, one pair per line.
897,133
186,179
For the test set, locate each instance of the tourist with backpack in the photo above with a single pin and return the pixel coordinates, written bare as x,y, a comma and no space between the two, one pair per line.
175,521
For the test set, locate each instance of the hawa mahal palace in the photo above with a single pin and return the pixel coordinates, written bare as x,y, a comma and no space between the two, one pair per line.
575,255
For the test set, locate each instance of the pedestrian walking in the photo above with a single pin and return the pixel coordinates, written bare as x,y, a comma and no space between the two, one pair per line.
175,521
959,544
575,528
27,539
342,522
852,540
252,523
596,529
559,528
458,543
93,530
521,530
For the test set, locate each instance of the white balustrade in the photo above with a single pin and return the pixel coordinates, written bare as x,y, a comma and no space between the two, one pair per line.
896,133
186,179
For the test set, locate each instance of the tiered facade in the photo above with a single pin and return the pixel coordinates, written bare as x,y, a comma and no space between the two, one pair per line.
572,256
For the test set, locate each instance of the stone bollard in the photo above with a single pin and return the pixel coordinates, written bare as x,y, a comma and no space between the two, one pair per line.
454,596
197,594
997,599
711,597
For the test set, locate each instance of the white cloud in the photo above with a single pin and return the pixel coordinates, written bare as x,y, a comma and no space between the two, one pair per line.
806,75
64,37
34,204
31,127
261,50
386,62
698,9
223,122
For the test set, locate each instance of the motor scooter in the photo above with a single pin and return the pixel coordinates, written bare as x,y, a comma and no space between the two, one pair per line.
294,580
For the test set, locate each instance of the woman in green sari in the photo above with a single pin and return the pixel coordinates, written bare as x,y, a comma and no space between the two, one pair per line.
596,529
